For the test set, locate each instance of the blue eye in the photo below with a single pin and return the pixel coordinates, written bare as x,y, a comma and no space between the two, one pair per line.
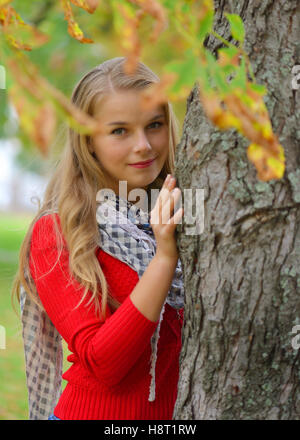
122,128
113,132
159,123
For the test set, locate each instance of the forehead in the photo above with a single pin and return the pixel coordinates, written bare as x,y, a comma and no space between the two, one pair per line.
124,104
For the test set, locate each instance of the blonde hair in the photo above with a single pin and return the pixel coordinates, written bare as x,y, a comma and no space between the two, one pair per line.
72,189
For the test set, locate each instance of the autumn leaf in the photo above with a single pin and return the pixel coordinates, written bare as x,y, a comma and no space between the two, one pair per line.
128,28
73,27
268,166
130,41
37,121
155,94
228,97
228,56
4,2
157,11
33,91
45,124
19,34
88,5
251,119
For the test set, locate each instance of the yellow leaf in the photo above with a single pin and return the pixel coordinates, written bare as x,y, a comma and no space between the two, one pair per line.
255,152
281,153
88,5
228,120
268,166
267,130
19,34
157,11
4,3
73,27
276,166
37,120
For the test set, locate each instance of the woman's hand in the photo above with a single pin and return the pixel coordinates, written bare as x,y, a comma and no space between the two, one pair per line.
163,222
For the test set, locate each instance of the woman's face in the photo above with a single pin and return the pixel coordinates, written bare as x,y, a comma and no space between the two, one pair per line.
129,134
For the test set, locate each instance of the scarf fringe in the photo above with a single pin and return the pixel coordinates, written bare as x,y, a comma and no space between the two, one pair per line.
153,359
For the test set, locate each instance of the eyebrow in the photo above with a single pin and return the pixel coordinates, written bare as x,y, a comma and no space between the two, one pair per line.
126,123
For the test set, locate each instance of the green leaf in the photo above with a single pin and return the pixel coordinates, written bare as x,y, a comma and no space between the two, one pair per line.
220,81
230,52
239,81
258,88
203,75
211,60
205,26
186,70
236,26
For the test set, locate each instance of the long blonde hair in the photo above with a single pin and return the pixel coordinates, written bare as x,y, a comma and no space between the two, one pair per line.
71,191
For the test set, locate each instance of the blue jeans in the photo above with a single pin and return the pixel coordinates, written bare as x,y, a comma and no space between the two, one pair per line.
53,417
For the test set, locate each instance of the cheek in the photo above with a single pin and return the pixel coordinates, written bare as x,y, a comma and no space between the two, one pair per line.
162,143
108,153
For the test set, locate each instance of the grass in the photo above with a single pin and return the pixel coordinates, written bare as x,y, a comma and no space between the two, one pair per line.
13,391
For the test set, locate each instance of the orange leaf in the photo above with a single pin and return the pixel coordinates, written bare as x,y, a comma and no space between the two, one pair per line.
253,122
16,30
268,166
45,124
34,90
88,5
155,94
157,11
37,121
4,3
73,27
130,41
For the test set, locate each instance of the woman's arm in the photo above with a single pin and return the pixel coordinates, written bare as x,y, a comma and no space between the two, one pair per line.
151,291
108,349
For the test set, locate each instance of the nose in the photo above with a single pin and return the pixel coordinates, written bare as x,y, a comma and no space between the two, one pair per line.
141,141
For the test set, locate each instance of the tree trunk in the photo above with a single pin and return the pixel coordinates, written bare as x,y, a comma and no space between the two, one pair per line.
242,274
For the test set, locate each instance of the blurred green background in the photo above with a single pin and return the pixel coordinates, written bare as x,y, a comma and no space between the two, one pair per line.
63,61
13,392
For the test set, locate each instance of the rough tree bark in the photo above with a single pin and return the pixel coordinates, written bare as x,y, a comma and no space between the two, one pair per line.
242,274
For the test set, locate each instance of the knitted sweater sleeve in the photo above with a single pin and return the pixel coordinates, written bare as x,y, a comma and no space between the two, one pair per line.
107,348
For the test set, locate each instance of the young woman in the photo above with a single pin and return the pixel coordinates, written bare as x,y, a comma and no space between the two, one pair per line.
94,290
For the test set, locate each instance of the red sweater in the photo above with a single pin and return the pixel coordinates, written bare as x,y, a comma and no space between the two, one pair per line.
109,378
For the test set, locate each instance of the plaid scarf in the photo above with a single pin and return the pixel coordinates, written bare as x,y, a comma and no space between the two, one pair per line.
126,234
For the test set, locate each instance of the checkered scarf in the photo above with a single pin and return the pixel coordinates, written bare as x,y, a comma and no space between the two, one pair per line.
126,234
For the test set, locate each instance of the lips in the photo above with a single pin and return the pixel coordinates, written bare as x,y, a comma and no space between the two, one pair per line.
143,163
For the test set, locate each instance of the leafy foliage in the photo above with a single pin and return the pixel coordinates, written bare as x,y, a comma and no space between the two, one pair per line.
228,90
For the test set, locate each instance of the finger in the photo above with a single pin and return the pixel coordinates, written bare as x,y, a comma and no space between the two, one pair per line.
160,209
156,213
170,203
165,191
163,209
167,180
177,217
160,201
